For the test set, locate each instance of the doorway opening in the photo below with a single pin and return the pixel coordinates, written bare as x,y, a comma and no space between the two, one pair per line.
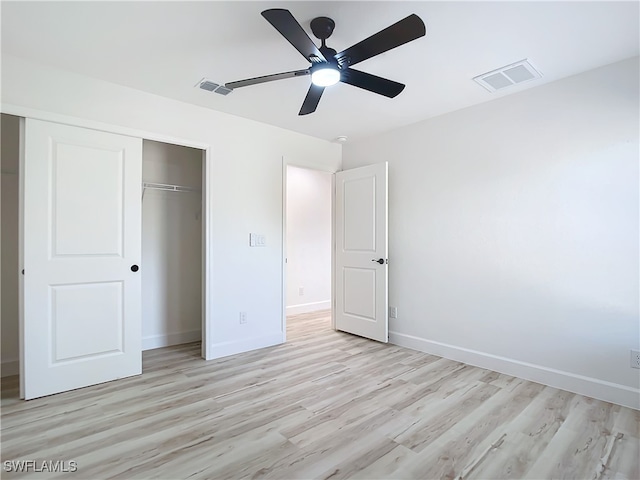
308,242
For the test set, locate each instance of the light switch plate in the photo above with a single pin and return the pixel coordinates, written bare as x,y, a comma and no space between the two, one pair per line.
257,240
635,358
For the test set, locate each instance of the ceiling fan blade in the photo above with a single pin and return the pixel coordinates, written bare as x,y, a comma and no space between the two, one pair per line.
399,33
311,100
289,28
374,84
267,78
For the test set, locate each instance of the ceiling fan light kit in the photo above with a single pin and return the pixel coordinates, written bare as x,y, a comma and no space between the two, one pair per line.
324,75
329,67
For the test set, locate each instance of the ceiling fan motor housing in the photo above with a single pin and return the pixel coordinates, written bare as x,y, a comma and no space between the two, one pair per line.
322,27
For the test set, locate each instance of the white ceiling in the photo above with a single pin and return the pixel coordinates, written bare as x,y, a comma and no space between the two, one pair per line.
167,47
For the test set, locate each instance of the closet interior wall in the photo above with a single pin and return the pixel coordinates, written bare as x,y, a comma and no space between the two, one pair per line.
171,245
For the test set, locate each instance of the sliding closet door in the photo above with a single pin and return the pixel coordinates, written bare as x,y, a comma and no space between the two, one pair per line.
82,242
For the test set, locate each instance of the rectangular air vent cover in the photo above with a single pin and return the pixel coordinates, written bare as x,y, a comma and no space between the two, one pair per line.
508,75
210,86
223,90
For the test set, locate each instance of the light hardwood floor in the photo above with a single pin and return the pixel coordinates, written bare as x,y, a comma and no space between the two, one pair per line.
324,405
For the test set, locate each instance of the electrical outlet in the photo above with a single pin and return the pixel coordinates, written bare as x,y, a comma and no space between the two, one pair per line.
243,317
393,312
635,358
301,291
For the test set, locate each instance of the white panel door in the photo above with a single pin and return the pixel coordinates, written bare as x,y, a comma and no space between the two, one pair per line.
361,252
82,250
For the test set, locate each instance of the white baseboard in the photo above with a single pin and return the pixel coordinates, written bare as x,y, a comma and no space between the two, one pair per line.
158,341
308,307
10,367
588,386
224,349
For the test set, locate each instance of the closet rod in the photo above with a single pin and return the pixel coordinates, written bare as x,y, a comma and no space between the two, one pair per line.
167,187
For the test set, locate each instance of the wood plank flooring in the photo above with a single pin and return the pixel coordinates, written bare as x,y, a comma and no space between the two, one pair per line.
325,405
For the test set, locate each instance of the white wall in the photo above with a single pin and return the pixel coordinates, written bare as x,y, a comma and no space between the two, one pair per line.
247,185
171,246
513,232
308,240
9,138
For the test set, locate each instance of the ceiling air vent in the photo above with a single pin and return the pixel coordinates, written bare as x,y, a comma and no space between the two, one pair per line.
513,74
210,86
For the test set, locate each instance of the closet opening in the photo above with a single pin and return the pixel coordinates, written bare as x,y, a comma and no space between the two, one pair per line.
170,205
9,241
172,245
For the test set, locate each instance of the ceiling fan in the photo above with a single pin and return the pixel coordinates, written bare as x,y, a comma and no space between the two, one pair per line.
329,67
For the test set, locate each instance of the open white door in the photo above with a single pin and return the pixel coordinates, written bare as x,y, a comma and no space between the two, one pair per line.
82,248
361,252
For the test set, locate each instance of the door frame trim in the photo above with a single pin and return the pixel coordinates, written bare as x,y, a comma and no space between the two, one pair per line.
21,152
27,112
207,188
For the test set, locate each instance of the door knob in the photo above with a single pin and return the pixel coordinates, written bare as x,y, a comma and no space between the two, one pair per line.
380,261
134,268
